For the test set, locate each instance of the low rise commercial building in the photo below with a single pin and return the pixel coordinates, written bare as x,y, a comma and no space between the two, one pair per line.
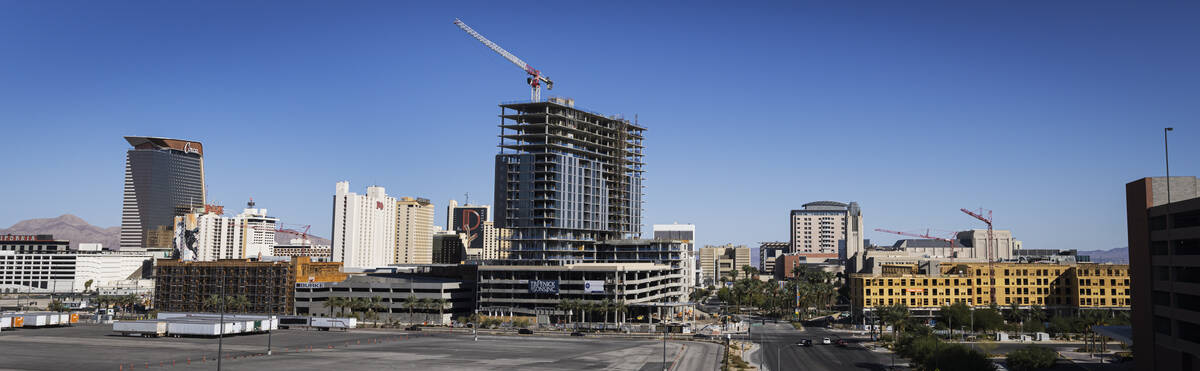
298,247
409,298
42,264
268,286
929,285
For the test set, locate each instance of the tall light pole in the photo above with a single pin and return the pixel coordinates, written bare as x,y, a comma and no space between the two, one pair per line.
1167,158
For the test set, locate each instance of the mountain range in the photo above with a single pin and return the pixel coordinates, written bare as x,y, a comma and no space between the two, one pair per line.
68,227
75,229
1118,255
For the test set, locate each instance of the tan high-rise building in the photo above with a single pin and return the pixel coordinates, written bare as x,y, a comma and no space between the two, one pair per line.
717,261
414,231
496,241
826,230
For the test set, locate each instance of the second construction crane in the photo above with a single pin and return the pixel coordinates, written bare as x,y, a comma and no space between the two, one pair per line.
991,255
535,78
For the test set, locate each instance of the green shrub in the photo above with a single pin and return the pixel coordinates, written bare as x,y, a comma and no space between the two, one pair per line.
957,357
1031,358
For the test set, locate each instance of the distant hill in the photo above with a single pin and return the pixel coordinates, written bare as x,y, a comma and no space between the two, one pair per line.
68,227
1118,255
75,229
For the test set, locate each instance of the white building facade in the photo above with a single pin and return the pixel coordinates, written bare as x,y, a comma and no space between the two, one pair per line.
685,233
250,234
364,227
44,265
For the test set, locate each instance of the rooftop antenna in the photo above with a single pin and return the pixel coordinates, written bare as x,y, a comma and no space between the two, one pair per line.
466,198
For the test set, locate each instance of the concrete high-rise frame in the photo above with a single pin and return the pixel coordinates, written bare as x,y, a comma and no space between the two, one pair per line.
566,179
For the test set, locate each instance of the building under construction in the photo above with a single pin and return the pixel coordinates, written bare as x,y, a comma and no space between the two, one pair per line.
566,178
268,286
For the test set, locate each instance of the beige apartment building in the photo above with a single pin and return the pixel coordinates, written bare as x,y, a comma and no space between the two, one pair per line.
414,231
826,230
717,261
496,241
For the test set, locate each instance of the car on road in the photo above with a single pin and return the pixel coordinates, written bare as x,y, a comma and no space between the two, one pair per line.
841,343
525,331
413,328
826,341
804,343
576,333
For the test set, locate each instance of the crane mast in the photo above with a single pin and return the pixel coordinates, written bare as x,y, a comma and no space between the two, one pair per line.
535,78
990,254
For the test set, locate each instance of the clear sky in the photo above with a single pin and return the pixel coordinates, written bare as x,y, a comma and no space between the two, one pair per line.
1041,111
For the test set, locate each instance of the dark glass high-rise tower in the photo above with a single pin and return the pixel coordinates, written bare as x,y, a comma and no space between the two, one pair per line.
566,179
164,178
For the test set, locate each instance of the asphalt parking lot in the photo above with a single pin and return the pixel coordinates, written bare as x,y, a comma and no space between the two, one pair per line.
94,347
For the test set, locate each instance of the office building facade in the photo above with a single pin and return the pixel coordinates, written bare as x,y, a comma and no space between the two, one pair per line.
364,227
768,252
716,262
164,178
1163,219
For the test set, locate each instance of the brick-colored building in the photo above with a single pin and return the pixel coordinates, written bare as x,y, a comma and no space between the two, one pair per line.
269,286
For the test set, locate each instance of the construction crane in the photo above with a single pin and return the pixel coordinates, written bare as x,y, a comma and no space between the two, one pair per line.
926,235
535,78
988,247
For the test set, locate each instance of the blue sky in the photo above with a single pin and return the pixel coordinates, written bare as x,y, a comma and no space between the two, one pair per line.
1041,111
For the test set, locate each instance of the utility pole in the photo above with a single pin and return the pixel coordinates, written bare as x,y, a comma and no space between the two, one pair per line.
221,326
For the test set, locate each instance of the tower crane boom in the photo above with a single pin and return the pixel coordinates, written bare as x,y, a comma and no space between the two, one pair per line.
535,78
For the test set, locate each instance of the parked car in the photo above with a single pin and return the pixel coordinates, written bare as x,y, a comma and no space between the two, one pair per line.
576,333
525,331
826,341
413,328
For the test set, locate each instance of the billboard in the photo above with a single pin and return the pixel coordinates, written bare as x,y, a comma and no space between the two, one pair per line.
593,286
543,287
469,220
187,234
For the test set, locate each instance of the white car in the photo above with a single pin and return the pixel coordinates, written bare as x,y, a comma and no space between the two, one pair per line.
826,341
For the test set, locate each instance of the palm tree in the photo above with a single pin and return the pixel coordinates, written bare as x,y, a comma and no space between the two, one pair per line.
441,305
749,271
426,305
410,303
87,286
565,306
896,315
212,302
621,307
604,306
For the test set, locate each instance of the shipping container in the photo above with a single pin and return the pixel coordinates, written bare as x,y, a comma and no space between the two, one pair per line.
35,320
142,328
52,319
6,322
330,323
18,321
197,328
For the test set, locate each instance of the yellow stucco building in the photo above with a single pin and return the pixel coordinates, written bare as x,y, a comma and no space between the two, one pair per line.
1050,285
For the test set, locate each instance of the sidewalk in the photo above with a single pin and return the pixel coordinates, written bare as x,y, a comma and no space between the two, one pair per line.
1102,361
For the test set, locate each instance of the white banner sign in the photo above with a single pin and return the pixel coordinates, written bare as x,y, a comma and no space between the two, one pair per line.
593,286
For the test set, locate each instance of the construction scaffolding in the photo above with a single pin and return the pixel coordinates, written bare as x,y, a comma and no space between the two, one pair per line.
267,287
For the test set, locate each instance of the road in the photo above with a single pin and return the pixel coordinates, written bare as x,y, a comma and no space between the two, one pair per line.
780,352
95,348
